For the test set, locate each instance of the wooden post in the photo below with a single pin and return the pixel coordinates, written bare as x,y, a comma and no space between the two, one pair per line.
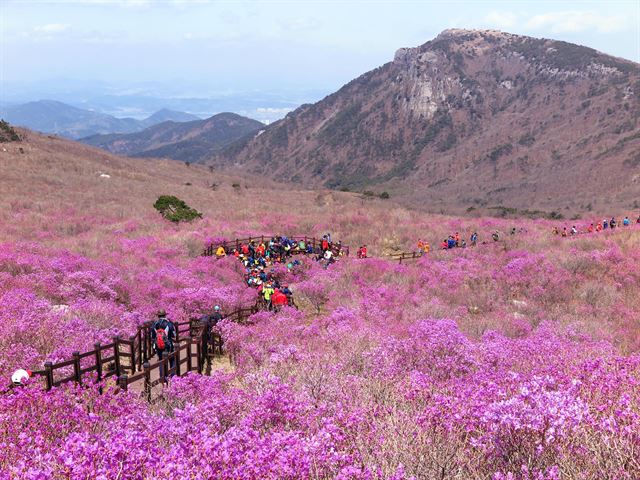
199,356
97,347
147,381
123,382
132,348
116,353
48,368
189,362
76,367
176,354
139,341
98,356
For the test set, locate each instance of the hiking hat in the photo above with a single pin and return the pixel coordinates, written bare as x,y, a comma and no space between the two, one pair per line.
216,308
20,375
162,313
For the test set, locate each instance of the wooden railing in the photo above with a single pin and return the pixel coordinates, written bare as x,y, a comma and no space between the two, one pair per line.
132,360
315,243
405,256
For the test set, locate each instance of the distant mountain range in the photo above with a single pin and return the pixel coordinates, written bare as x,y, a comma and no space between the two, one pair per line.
470,120
49,116
187,141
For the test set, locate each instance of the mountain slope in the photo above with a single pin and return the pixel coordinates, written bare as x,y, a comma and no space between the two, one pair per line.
187,141
167,115
50,116
469,119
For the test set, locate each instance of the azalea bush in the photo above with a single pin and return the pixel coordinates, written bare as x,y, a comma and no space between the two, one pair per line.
516,359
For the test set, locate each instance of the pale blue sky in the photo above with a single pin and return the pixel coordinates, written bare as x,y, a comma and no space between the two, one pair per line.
201,47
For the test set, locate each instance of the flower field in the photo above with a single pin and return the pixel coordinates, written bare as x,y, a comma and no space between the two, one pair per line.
516,359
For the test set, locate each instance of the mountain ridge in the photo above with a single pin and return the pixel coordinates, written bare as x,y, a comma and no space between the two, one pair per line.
470,119
185,141
54,117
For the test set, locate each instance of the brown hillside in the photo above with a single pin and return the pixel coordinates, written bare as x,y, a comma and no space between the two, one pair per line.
469,119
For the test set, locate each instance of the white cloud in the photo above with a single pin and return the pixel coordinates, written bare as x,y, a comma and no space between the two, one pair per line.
577,21
503,20
51,28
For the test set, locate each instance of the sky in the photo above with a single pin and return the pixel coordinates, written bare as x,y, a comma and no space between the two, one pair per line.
296,48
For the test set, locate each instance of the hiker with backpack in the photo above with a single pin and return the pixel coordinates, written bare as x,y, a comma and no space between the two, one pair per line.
474,239
164,336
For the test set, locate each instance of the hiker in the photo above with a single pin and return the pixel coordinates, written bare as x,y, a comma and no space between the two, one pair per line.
288,293
638,220
513,230
420,246
328,257
463,244
364,251
457,239
605,224
474,239
496,236
279,300
444,245
564,232
220,252
626,222
451,242
555,231
19,376
208,322
427,248
325,244
613,223
267,291
598,227
590,228
164,335
574,230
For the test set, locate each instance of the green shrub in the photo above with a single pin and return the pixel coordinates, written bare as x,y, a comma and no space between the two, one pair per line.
7,133
175,210
384,195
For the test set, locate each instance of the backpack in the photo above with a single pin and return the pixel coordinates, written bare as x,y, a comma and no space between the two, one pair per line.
161,338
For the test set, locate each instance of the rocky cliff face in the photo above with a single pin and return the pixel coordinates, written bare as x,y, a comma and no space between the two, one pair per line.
469,119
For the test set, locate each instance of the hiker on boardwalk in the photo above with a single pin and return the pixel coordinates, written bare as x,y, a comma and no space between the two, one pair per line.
626,222
208,322
613,224
267,291
220,252
474,239
574,230
426,248
164,336
496,235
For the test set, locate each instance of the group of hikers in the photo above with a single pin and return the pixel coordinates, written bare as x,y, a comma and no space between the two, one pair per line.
259,257
279,249
594,227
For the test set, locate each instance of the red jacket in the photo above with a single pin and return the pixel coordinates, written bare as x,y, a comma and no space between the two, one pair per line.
279,298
